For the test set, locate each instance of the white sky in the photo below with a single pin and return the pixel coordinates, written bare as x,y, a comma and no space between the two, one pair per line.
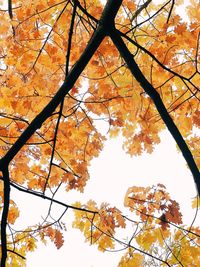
111,175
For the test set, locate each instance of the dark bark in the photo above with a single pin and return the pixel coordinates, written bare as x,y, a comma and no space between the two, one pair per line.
154,95
4,217
59,96
106,19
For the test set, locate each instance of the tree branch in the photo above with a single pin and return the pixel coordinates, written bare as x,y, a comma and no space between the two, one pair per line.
10,9
139,10
106,19
37,194
154,95
5,216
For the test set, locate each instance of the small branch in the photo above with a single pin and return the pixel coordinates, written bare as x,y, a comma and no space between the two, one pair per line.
48,37
77,3
152,56
139,10
37,194
106,233
54,145
170,11
14,252
62,102
70,39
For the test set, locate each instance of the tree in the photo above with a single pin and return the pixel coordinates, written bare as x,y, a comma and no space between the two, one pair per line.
65,65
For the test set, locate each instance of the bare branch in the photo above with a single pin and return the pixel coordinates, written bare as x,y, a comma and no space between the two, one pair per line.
4,217
10,9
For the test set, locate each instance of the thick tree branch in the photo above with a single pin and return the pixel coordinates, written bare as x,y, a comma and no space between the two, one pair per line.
10,9
106,19
4,217
154,95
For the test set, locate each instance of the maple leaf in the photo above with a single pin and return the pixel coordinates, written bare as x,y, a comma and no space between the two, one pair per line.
163,222
181,28
196,118
131,259
173,214
59,241
196,203
13,214
31,244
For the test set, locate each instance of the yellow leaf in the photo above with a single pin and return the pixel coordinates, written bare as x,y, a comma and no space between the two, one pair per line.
196,203
13,214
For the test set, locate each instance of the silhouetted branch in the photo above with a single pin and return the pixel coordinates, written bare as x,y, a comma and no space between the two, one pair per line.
37,194
139,10
19,255
170,11
154,95
4,217
107,18
10,9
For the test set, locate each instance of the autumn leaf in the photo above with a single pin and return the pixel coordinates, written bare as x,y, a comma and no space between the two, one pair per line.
59,241
131,259
196,203
13,214
180,29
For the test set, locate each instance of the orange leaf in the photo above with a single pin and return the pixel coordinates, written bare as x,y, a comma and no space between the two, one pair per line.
59,241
